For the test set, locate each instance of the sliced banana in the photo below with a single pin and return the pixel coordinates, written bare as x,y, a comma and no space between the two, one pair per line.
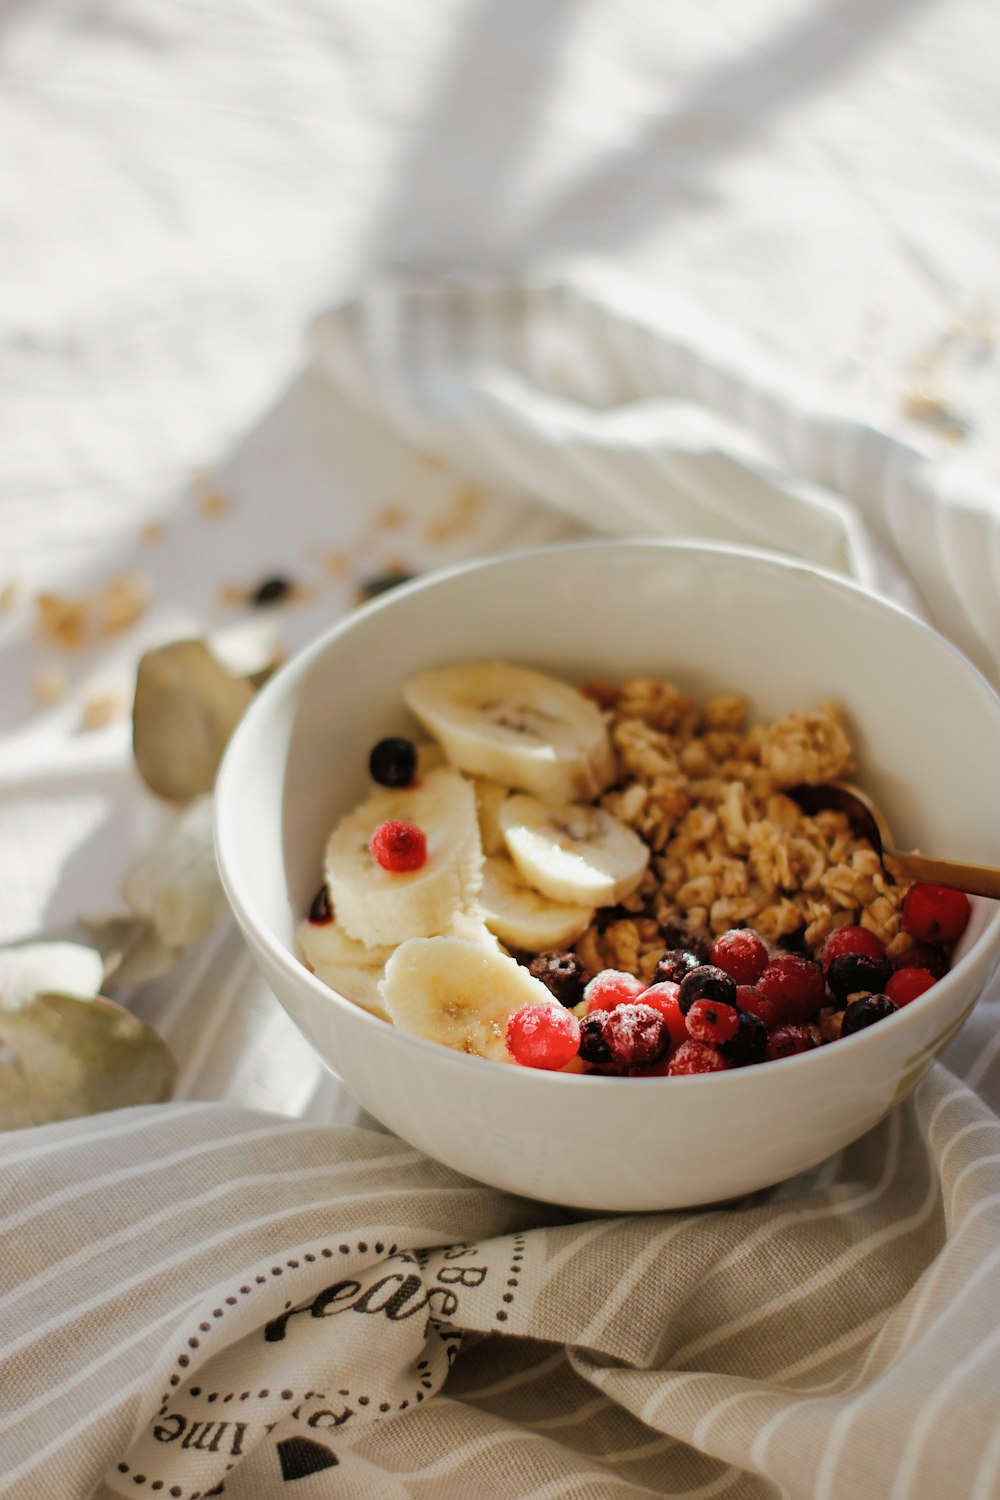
490,797
572,852
521,728
521,916
346,965
458,992
377,906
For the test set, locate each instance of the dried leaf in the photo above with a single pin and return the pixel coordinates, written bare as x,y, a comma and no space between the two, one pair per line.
176,884
132,950
186,707
61,1056
39,968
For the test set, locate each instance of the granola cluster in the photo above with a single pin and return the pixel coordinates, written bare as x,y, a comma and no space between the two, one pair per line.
706,790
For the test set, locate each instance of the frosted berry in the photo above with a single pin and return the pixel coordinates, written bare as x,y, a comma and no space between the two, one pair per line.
612,987
399,847
850,972
393,761
706,982
923,956
563,975
795,985
788,1041
321,911
675,964
754,1002
906,984
749,1045
852,940
636,1035
593,1048
742,953
865,1012
663,998
935,913
708,1021
696,1057
543,1036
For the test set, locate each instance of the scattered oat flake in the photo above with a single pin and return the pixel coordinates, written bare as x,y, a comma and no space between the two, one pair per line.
214,504
50,684
469,500
391,518
444,529
231,593
121,602
8,594
153,533
433,460
934,411
62,619
337,564
101,709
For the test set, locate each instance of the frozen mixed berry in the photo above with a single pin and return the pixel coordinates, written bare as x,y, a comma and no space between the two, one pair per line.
543,1036
399,847
563,975
708,1021
696,1057
923,956
675,935
865,1012
935,913
754,1002
706,982
675,964
270,591
612,987
663,998
593,1048
749,1045
321,910
795,985
852,939
788,1041
636,1035
742,953
850,973
393,761
906,984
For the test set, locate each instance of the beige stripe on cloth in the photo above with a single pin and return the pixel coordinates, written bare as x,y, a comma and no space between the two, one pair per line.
197,1295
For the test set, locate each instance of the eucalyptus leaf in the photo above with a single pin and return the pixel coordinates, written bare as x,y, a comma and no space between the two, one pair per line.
132,949
36,968
61,1057
187,704
176,884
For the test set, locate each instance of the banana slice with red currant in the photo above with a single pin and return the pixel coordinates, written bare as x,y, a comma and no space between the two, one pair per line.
572,852
459,992
407,862
518,727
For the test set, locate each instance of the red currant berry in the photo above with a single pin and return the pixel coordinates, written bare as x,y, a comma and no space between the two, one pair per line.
610,988
752,1001
795,985
708,1021
935,913
923,956
906,984
696,1057
787,1041
543,1036
742,953
399,847
663,998
852,940
636,1035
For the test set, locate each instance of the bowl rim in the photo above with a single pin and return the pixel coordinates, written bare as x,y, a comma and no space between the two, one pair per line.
302,661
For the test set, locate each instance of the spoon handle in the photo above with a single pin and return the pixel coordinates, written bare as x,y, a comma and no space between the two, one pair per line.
977,880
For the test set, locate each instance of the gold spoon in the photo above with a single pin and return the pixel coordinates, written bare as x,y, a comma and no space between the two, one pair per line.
866,819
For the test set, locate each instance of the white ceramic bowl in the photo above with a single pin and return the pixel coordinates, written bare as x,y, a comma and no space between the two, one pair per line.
927,729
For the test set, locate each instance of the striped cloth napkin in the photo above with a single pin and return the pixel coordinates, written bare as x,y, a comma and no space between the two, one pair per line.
200,1298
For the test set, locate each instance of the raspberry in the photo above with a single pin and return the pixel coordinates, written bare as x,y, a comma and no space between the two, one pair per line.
696,1057
850,972
787,1041
865,1012
923,956
706,982
935,913
393,761
543,1036
674,965
749,1045
663,998
752,1001
906,984
742,953
399,847
562,974
795,985
610,988
708,1021
321,911
636,1036
851,940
